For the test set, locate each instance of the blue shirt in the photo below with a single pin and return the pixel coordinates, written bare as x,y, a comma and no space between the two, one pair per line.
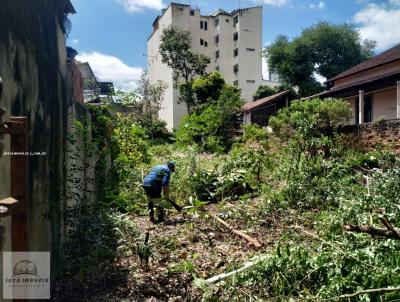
158,177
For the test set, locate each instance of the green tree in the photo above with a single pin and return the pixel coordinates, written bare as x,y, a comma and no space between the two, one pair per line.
264,91
307,123
208,87
325,49
176,52
211,127
152,97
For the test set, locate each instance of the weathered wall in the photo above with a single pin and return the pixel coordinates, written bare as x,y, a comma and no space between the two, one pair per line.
38,84
383,135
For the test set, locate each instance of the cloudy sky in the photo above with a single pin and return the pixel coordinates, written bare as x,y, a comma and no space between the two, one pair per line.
111,34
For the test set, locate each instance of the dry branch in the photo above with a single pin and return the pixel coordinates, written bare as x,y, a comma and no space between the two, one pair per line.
226,275
252,241
367,291
384,220
394,234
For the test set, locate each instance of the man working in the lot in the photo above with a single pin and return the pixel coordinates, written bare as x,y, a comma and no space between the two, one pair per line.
155,182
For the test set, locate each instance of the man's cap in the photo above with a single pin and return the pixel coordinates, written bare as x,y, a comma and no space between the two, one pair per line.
171,166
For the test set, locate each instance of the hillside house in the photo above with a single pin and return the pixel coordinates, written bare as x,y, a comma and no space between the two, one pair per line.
259,112
372,88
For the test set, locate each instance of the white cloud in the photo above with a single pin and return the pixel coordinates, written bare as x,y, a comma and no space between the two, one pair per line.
75,41
394,2
134,6
320,5
380,23
110,68
276,2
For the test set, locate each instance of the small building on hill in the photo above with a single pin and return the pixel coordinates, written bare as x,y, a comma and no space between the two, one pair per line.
372,88
259,112
90,83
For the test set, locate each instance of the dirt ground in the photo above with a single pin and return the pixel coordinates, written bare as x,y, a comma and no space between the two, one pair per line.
193,245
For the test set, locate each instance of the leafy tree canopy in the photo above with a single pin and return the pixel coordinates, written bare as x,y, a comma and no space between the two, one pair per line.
264,91
324,48
176,52
308,119
210,128
208,87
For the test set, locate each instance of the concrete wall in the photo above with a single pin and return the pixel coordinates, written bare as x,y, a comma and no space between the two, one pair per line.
38,85
250,62
160,72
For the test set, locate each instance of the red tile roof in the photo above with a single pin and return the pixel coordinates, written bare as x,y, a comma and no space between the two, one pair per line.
269,99
363,83
387,56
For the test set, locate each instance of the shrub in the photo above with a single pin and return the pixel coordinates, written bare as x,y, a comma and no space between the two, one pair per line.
210,128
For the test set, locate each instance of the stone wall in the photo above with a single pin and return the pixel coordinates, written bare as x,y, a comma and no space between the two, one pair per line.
382,135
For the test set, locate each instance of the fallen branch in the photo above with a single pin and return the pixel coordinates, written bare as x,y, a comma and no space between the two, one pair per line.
244,267
384,220
252,241
371,230
367,291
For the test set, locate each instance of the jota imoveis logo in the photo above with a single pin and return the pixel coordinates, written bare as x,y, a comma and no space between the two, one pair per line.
25,267
26,275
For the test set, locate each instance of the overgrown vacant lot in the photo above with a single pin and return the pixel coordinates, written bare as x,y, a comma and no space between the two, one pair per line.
195,245
305,254
326,215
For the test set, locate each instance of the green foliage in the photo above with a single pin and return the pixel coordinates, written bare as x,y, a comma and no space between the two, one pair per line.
132,143
176,52
208,88
264,91
210,128
324,48
308,119
254,133
152,96
133,155
309,271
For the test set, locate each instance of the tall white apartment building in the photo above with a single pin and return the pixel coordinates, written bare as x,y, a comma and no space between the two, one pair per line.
233,41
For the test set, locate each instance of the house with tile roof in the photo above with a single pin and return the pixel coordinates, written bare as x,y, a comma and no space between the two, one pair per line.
258,112
372,87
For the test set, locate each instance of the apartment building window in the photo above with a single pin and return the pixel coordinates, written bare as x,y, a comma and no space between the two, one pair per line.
216,39
236,68
205,44
217,68
235,20
236,83
201,42
250,49
201,24
227,20
192,12
216,22
235,36
235,52
205,25
251,81
217,54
